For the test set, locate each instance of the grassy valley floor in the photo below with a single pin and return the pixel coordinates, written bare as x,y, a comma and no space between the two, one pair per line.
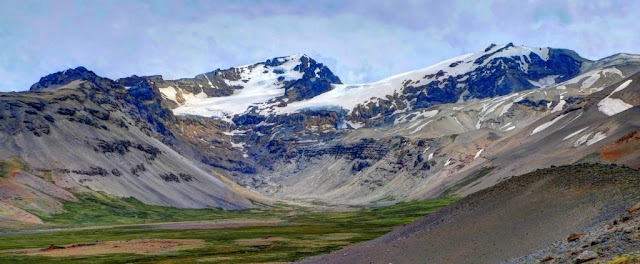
101,229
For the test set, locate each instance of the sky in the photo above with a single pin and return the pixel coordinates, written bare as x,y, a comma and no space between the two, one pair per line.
359,40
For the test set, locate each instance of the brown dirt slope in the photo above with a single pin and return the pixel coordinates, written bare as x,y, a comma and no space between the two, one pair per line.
511,219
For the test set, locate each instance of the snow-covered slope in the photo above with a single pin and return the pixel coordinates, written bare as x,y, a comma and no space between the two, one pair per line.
270,88
260,83
276,81
348,96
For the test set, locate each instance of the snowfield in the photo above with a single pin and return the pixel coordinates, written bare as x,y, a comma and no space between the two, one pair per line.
612,106
262,85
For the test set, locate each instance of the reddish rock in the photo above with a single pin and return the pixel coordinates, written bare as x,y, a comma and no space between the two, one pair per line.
574,237
634,209
545,259
52,247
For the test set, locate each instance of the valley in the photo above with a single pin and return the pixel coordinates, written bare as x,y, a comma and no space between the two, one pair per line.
126,231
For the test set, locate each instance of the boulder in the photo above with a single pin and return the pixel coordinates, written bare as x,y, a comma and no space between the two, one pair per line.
586,255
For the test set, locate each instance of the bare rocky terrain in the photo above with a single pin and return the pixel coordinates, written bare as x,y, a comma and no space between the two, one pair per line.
514,218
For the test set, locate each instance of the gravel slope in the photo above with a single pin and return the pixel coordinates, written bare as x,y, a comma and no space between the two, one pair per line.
511,219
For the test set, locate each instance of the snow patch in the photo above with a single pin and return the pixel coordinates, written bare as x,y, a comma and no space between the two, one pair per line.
355,125
423,114
478,154
545,81
581,140
237,145
612,106
597,137
574,133
559,106
169,93
547,124
421,127
505,109
456,119
590,81
621,87
209,81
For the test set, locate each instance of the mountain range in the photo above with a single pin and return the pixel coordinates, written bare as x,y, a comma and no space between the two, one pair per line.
288,129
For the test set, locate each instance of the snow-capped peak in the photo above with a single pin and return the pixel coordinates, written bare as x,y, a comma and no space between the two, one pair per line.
348,96
294,83
251,86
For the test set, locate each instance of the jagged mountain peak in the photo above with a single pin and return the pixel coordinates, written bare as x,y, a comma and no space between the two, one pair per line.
64,78
55,80
298,58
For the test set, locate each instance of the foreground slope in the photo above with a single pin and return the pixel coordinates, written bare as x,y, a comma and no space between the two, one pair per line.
513,218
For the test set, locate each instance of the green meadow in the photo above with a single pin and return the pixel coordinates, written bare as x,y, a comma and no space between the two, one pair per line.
288,234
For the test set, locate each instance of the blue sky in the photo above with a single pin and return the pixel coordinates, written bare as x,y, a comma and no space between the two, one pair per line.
361,40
